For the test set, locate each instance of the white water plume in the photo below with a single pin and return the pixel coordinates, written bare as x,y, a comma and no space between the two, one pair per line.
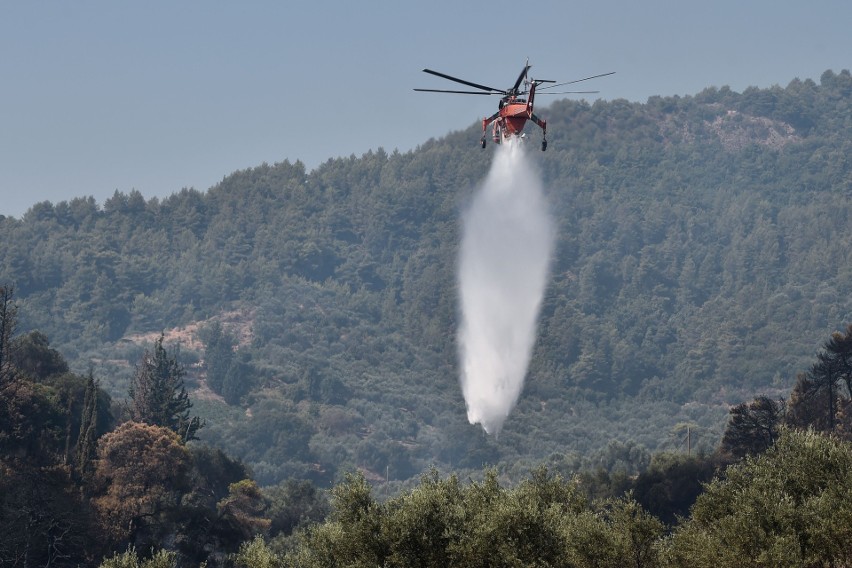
503,266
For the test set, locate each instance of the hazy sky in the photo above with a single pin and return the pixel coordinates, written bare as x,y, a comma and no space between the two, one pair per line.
98,96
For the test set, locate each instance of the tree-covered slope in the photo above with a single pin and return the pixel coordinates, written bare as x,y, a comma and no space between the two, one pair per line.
703,252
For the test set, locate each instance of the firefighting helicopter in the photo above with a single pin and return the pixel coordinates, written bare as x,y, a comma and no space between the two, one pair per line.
513,109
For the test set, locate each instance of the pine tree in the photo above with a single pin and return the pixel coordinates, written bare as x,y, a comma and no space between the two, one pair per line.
839,349
158,396
753,427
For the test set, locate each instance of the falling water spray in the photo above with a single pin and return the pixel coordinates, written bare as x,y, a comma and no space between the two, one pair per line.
505,253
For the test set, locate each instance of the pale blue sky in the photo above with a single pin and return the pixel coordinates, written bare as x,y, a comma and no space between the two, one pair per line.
102,95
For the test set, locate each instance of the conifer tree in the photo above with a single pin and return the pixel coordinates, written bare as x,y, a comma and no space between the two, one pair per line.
158,396
753,427
818,399
839,350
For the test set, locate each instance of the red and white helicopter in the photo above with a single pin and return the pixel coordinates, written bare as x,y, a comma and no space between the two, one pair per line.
516,103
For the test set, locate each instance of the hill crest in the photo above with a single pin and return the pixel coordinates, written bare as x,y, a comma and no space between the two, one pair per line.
696,266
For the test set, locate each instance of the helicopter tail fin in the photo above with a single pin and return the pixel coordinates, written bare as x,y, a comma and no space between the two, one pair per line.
531,97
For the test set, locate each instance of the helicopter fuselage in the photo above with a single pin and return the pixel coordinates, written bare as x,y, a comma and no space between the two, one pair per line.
511,117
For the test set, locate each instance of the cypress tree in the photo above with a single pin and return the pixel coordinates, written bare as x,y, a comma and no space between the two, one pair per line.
8,320
86,447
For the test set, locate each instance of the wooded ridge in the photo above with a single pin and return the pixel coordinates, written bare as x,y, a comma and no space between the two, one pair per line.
702,257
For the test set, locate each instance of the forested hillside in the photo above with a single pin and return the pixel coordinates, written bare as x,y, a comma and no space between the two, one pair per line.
703,254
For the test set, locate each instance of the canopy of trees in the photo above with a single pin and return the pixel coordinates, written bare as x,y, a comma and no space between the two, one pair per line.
699,263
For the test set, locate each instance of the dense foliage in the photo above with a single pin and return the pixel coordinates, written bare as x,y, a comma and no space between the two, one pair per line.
783,508
700,260
786,507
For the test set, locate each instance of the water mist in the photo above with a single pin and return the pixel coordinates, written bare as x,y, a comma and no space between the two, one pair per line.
506,245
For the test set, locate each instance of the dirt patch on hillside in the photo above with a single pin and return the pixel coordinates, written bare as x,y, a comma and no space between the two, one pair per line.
737,130
734,129
237,322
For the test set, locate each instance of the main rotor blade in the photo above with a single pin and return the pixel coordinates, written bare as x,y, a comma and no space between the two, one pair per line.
567,93
578,80
463,82
520,78
456,92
